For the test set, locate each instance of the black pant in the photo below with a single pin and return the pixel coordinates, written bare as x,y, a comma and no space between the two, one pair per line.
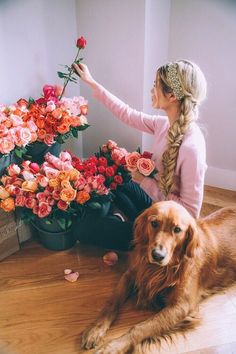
109,231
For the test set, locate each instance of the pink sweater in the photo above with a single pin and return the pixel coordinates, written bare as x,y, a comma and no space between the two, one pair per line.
191,163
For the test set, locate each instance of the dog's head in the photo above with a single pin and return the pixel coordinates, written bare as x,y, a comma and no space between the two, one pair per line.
167,231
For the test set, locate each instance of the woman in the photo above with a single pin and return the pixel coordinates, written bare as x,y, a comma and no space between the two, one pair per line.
179,147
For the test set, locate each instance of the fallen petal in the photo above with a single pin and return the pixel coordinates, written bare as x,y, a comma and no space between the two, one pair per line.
68,271
72,277
110,258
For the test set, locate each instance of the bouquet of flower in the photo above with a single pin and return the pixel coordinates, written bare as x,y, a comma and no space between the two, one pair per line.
15,131
49,119
143,163
108,162
53,191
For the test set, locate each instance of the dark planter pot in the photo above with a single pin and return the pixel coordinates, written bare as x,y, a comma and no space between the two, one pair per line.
5,161
52,237
37,151
101,212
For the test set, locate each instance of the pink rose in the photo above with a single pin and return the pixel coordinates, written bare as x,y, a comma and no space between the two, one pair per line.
6,145
16,120
131,160
3,130
30,203
42,180
32,126
49,139
65,156
111,144
62,205
28,176
20,200
44,210
41,196
49,91
13,169
145,166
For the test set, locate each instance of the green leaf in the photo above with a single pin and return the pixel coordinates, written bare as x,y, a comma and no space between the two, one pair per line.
75,133
31,100
62,223
94,205
83,127
62,75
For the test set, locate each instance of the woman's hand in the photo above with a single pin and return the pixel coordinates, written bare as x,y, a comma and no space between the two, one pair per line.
84,73
137,177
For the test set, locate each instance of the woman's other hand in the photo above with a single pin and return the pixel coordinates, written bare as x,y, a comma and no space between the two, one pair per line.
83,72
137,177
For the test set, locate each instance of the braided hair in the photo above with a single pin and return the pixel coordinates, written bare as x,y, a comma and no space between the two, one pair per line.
193,85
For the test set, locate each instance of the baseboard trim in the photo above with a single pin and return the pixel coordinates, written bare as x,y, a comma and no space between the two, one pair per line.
218,177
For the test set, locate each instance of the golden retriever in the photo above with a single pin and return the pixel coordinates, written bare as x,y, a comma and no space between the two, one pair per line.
176,261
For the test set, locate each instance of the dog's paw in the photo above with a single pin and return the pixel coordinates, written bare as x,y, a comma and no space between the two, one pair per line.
92,336
117,346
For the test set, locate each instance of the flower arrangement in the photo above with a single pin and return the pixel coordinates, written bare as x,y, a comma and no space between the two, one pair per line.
48,119
108,162
15,131
53,191
142,163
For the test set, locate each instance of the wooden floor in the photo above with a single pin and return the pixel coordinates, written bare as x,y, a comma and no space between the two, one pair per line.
41,313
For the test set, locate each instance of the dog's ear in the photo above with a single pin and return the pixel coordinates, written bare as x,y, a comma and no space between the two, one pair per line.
192,241
140,229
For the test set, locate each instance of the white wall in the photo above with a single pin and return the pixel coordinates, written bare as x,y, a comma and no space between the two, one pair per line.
205,32
36,36
115,55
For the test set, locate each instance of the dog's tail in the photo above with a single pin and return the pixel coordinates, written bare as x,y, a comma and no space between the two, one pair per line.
151,345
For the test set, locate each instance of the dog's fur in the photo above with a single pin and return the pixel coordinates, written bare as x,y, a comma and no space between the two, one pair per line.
198,258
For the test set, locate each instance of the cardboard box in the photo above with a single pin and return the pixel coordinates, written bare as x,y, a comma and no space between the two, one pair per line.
8,234
24,229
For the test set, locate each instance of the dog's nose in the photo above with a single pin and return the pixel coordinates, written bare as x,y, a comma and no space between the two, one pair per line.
158,254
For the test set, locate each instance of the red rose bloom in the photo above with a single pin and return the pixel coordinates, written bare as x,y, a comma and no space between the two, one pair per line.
81,42
102,161
110,171
118,179
147,155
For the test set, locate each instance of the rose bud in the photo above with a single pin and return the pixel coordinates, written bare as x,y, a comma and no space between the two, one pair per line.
110,258
72,277
34,167
81,42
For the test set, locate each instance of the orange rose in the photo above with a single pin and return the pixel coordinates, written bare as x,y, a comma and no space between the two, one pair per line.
57,113
7,204
40,122
74,174
3,193
64,175
54,182
63,128
67,120
68,194
82,197
29,186
41,134
65,183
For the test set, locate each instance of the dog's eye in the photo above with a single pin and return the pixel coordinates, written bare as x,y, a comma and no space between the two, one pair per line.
177,230
154,224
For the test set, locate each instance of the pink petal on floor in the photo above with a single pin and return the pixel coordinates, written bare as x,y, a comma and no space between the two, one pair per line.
68,271
110,258
72,277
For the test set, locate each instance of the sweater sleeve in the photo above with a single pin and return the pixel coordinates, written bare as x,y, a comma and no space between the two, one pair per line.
139,120
191,185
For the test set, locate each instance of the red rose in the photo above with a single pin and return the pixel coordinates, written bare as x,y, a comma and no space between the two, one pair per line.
101,169
147,155
110,171
118,179
49,91
34,167
81,42
102,161
113,186
62,205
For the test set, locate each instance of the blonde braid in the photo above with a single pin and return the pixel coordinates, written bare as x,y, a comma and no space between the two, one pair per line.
175,137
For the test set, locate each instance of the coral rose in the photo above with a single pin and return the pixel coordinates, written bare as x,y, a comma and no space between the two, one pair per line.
145,166
62,205
44,210
131,160
82,197
13,169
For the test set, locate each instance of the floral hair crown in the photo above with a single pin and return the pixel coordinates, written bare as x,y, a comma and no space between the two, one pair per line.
173,78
